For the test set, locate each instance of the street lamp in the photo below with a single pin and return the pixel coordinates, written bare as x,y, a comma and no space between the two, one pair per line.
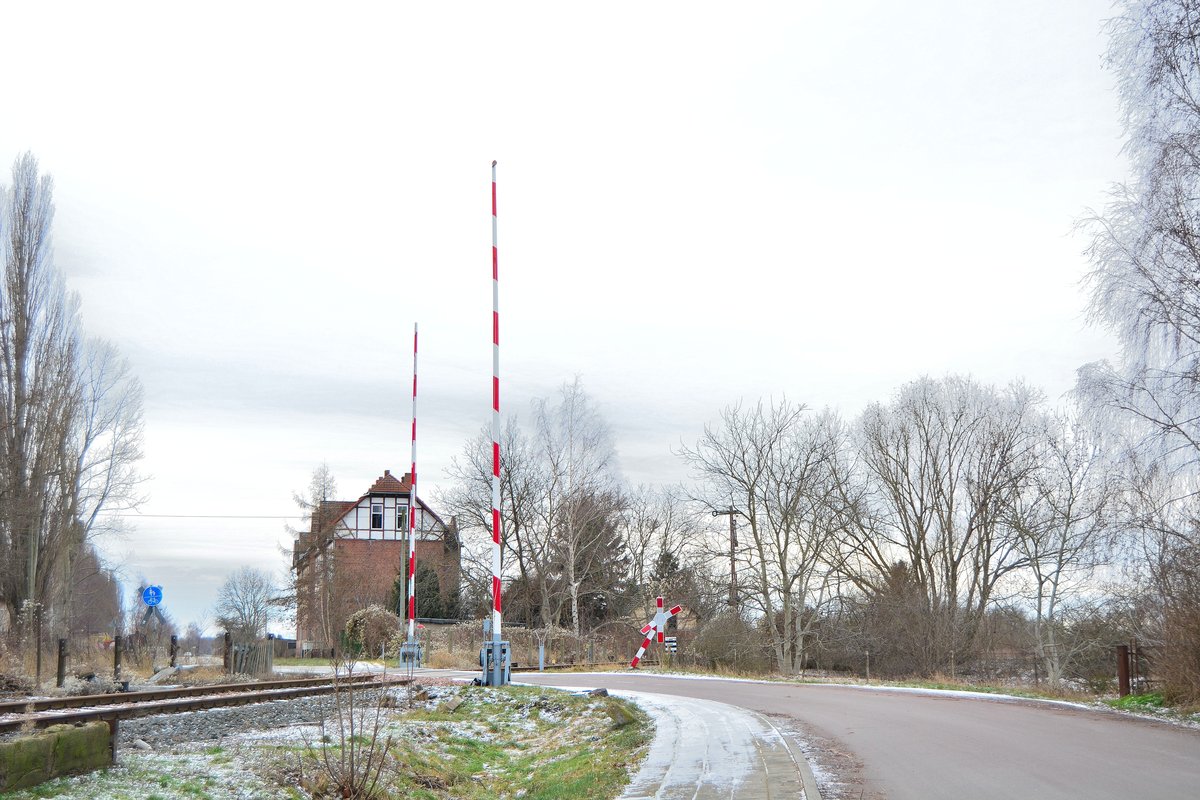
733,592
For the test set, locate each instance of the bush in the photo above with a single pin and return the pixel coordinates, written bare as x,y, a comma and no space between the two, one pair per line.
370,629
14,685
730,642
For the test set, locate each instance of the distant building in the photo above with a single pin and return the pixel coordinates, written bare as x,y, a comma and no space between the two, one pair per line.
353,552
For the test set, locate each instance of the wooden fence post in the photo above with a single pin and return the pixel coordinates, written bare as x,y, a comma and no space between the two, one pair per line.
1123,670
62,662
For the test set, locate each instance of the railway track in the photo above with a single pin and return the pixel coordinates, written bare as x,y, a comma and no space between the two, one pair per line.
111,708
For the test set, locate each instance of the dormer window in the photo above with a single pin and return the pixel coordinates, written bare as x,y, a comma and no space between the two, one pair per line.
376,516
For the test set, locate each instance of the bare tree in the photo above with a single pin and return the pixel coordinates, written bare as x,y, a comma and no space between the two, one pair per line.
38,344
246,603
576,452
1064,526
70,414
940,466
1145,247
560,505
469,499
312,579
1145,252
322,487
775,467
658,529
106,442
193,636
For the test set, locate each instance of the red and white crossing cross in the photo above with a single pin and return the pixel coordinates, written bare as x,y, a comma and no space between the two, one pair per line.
659,624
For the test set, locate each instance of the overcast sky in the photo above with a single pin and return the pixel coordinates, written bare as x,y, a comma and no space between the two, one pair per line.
697,205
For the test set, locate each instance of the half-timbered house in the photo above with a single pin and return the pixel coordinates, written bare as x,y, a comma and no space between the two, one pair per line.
354,551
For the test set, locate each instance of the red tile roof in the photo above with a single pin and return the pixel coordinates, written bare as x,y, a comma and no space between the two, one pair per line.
387,484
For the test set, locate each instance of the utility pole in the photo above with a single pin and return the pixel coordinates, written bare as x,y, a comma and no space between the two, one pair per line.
733,591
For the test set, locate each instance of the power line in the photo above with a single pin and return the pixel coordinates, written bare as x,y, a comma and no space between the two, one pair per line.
207,516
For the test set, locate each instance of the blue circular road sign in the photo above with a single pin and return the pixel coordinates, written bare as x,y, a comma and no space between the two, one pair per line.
152,595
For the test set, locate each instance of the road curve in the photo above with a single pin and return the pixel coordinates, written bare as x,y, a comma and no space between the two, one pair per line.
927,746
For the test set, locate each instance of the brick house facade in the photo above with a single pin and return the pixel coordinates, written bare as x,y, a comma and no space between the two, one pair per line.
353,552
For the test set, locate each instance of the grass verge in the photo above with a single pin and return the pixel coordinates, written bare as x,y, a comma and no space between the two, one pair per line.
527,742
1152,701
544,743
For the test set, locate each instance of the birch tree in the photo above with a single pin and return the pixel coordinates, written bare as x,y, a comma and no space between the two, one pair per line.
1145,246
575,447
1145,254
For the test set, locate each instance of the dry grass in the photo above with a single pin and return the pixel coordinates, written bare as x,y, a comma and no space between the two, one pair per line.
441,659
941,681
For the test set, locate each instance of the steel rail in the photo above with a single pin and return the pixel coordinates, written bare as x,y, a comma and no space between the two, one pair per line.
112,713
115,698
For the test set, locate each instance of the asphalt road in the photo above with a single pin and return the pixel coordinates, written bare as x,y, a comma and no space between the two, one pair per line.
900,745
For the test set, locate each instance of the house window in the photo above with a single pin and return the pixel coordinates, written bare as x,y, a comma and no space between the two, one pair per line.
402,519
376,516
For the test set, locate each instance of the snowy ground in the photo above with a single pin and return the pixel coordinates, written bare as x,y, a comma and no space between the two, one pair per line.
256,752
705,749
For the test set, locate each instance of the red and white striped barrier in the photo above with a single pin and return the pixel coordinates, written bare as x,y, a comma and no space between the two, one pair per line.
656,625
412,507
641,650
495,421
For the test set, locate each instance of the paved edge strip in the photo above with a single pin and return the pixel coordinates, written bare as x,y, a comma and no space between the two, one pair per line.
811,792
